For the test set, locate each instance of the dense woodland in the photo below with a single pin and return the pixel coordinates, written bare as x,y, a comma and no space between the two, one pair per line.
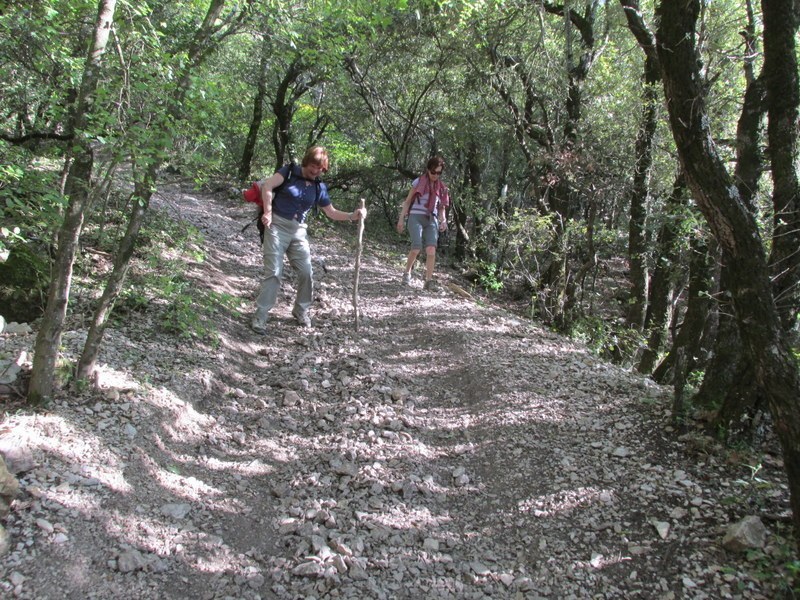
579,136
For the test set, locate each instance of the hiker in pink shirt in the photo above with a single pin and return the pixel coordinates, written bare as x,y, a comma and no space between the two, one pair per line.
425,206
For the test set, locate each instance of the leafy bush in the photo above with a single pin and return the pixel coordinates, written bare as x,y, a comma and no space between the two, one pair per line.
24,278
158,284
608,340
29,193
490,276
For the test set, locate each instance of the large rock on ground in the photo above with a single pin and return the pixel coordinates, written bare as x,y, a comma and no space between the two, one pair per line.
746,534
9,488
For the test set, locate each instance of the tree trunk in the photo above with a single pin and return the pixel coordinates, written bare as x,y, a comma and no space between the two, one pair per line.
639,194
577,71
116,280
572,308
283,108
471,183
741,403
722,370
749,161
728,386
202,43
776,93
78,188
783,99
734,227
694,328
637,242
558,196
257,119
663,283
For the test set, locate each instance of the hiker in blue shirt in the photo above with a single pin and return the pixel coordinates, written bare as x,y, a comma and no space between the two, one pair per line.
425,206
284,221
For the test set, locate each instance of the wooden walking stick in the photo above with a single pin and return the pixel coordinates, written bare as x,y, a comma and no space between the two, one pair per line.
358,263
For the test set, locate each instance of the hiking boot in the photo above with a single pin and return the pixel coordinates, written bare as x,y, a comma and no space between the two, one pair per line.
302,320
259,325
406,278
430,286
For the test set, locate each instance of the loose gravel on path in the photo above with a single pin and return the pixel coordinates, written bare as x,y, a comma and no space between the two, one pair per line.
448,449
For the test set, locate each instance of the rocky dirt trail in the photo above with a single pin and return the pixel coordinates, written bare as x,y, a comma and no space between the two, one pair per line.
448,449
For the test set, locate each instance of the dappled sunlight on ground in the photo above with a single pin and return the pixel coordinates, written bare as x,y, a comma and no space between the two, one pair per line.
447,450
89,461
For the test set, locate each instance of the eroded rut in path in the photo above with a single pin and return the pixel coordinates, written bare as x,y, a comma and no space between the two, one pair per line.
448,449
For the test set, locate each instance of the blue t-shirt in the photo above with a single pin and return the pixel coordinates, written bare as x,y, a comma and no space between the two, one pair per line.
295,198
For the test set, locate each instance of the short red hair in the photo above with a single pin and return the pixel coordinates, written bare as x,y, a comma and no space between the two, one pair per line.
316,155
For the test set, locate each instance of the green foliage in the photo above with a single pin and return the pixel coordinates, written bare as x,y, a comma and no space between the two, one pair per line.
348,155
40,63
8,236
180,318
159,287
606,339
490,276
131,301
208,145
779,566
161,232
29,193
24,278
188,314
695,379
793,581
524,238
